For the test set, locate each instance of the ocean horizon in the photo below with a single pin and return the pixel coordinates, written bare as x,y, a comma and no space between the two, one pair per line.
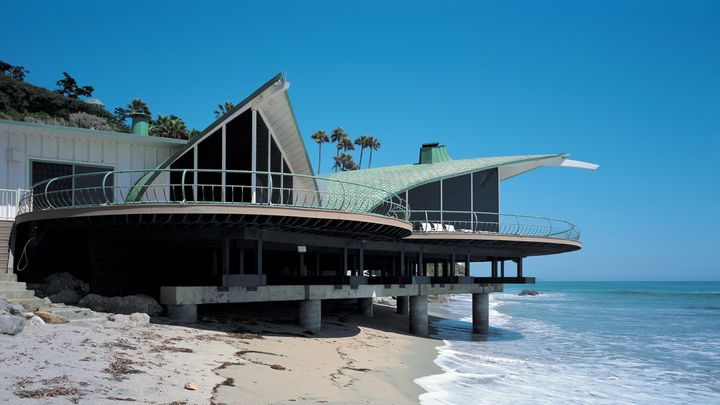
588,342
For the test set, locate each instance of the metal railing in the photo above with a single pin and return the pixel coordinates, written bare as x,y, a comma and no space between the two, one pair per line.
208,186
9,201
492,223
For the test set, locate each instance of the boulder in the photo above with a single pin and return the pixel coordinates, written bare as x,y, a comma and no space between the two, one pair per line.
15,309
65,297
122,305
136,319
10,324
530,293
49,317
36,321
64,281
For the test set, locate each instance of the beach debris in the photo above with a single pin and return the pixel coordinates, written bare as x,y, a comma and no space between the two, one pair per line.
120,367
59,386
122,305
167,348
191,386
10,324
35,321
135,319
49,317
530,293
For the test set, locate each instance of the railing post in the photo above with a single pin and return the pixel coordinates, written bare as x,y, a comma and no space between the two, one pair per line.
182,185
104,184
47,199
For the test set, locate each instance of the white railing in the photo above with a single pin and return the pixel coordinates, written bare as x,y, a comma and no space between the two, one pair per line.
9,201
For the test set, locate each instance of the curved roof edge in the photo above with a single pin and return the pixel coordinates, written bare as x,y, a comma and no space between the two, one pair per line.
398,179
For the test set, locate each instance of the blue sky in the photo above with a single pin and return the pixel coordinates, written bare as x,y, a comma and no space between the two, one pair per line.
631,85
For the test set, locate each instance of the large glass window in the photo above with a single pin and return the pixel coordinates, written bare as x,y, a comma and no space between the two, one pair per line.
87,186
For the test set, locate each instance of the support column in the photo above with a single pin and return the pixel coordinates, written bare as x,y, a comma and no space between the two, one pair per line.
182,313
502,268
519,267
225,261
467,265
310,314
361,271
259,257
453,260
480,313
402,262
421,265
345,261
402,305
419,315
365,306
493,271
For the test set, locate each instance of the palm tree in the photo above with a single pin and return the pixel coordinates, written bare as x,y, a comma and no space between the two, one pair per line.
338,163
320,137
224,108
344,162
346,144
338,134
373,144
363,142
169,126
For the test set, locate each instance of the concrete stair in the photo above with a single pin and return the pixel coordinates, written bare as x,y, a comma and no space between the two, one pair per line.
16,292
5,228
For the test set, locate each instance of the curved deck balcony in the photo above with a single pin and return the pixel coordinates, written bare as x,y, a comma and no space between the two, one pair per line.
221,197
536,235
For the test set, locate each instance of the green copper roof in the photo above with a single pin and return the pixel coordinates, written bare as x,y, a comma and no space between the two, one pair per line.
434,153
397,179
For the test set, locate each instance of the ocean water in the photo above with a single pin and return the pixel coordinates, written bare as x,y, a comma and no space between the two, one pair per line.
583,343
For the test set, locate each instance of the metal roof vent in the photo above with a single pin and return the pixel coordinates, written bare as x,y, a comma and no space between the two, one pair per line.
433,153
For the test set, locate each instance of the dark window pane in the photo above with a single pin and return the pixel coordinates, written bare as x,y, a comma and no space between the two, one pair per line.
57,193
92,186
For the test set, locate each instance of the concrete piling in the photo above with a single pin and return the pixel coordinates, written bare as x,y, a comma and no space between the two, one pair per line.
402,305
419,315
365,306
480,313
182,313
310,314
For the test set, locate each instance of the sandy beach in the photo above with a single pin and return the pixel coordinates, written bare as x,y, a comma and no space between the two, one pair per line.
353,359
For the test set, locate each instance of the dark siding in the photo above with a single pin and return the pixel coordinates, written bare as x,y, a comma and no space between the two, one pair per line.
456,197
210,157
486,196
239,157
425,197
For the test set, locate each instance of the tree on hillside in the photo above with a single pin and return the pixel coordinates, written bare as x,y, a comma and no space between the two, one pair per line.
16,72
320,137
137,106
68,87
169,126
373,144
363,141
224,108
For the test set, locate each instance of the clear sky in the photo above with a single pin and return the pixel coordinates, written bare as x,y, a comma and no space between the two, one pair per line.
631,85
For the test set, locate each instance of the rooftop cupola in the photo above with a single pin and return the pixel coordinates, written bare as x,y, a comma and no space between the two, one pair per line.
433,153
140,123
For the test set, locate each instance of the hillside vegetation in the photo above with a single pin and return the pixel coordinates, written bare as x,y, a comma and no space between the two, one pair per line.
21,101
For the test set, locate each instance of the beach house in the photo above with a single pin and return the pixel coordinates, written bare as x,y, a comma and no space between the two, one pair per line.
238,215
